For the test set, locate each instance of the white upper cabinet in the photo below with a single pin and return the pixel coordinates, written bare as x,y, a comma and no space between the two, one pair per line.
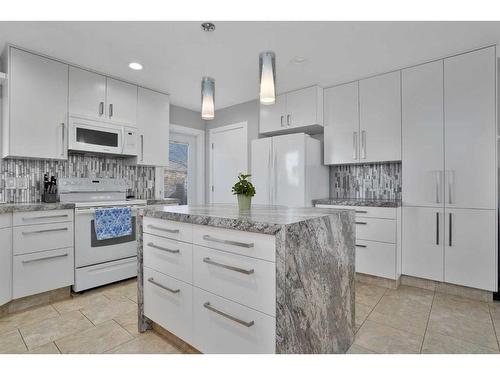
87,93
380,118
470,131
121,101
153,122
341,137
423,135
295,111
36,107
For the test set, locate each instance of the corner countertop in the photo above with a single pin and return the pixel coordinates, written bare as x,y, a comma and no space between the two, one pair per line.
260,219
359,202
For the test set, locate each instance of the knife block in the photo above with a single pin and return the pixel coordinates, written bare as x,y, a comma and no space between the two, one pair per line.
49,197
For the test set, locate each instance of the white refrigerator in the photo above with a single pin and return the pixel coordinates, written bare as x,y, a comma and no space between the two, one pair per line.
287,170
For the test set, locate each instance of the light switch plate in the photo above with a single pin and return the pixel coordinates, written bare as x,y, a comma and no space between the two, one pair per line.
10,183
22,183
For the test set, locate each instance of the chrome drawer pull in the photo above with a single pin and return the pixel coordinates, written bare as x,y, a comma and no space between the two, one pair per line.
152,281
232,268
150,244
44,217
361,212
45,230
164,229
360,245
206,237
45,258
361,222
208,306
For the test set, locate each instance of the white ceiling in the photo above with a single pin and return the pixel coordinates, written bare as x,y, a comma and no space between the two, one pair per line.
175,55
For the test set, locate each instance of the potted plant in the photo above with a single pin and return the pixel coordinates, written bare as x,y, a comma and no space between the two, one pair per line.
244,190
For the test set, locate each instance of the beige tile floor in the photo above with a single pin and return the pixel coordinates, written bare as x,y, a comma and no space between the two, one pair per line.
407,320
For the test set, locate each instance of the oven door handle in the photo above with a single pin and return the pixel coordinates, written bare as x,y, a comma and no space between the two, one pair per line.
81,211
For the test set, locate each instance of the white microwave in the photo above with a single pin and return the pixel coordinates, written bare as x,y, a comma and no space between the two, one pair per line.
101,137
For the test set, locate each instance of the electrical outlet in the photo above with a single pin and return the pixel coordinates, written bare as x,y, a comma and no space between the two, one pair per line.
10,183
22,183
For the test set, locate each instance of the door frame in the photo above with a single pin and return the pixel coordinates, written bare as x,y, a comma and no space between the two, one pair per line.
221,129
200,159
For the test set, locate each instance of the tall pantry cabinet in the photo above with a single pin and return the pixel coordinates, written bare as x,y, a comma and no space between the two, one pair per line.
449,169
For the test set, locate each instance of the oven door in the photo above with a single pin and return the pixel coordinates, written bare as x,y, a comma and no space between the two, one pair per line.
89,250
94,136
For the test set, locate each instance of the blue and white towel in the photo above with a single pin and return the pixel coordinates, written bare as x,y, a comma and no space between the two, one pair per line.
113,222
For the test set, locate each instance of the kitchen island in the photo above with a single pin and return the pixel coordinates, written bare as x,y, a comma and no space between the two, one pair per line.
271,280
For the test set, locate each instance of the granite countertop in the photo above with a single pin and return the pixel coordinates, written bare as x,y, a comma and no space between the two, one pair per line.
263,219
36,206
167,201
359,202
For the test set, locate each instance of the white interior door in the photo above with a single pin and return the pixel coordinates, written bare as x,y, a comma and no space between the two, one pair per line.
228,158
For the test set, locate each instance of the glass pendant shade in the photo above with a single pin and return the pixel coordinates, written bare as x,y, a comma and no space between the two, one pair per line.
267,71
207,98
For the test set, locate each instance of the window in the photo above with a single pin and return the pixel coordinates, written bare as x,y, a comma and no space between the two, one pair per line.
176,174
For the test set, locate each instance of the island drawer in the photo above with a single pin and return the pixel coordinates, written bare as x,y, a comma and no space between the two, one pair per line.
41,237
169,302
246,280
42,217
171,257
42,271
256,245
382,230
169,229
362,211
376,258
223,326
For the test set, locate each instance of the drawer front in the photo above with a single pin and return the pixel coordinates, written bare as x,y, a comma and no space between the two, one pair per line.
246,280
42,217
378,212
41,237
225,327
169,229
169,302
376,258
43,271
5,221
382,230
250,244
171,257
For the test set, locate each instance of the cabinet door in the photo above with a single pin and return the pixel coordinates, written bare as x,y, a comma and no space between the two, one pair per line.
422,135
262,172
423,240
38,106
341,137
121,101
470,251
87,93
273,117
153,121
5,265
380,118
304,107
470,131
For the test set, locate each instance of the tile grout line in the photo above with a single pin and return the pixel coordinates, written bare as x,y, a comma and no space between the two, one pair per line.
22,338
494,328
91,322
427,324
60,352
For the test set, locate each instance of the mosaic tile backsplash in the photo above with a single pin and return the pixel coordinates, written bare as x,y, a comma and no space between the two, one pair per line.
366,181
77,165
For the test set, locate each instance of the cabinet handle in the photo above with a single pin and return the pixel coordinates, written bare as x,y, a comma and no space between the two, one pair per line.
45,258
360,245
437,228
206,237
101,108
226,266
150,244
110,110
355,145
361,222
361,212
142,147
363,144
164,229
288,118
438,186
152,281
43,217
451,182
281,120
62,138
208,306
45,230
450,231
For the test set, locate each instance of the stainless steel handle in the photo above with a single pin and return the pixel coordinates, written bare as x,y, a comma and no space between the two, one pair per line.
355,145
110,110
438,184
79,211
361,222
62,138
44,217
176,251
142,147
361,212
363,144
360,245
437,228
163,229
45,258
288,118
208,306
206,237
450,231
152,281
232,268
46,230
450,186
281,120
101,108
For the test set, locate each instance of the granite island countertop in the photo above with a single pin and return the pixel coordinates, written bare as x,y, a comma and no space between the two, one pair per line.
6,208
359,202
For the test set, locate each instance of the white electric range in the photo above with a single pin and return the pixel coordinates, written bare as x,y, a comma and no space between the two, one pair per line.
99,262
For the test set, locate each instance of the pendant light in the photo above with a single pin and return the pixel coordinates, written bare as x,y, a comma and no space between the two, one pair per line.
267,71
207,98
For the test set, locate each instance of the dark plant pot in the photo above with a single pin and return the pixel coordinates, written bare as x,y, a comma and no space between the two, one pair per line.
244,202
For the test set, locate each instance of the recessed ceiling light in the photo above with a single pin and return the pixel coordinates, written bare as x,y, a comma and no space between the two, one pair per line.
299,60
135,66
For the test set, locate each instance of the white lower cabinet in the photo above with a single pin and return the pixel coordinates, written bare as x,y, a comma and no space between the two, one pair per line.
223,326
40,237
168,302
376,258
5,258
